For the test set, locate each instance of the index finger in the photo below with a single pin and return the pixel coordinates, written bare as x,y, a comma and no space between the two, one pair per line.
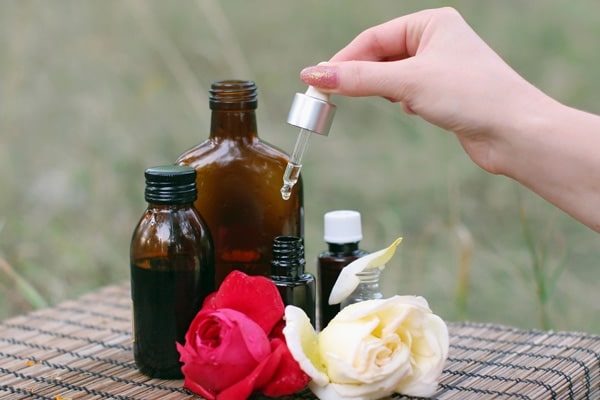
393,40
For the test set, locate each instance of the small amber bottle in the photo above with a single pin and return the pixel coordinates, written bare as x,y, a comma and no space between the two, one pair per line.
172,269
295,286
343,232
239,178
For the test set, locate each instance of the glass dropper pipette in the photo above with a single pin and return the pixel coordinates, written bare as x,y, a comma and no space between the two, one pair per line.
312,113
292,170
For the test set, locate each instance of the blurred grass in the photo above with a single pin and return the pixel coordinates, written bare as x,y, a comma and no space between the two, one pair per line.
92,93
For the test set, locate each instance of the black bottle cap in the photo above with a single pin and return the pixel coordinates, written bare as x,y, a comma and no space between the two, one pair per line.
288,258
170,184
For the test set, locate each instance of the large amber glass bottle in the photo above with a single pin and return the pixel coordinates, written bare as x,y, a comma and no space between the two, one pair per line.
238,180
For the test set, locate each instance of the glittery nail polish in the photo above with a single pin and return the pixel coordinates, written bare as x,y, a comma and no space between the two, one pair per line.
320,76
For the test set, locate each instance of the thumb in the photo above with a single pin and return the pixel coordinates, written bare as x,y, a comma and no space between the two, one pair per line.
388,79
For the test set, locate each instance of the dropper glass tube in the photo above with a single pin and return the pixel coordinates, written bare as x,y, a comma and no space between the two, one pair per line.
292,171
312,113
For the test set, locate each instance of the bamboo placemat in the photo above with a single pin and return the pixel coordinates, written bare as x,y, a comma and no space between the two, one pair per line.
81,349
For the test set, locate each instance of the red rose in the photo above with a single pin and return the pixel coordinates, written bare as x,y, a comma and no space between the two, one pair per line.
235,346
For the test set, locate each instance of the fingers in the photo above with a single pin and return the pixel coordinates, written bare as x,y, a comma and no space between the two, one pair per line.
396,39
391,80
387,41
381,60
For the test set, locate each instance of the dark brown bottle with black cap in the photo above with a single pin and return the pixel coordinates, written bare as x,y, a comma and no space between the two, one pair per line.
172,269
295,286
239,177
342,233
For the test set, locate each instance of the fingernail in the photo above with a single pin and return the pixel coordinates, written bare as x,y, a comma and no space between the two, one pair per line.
321,76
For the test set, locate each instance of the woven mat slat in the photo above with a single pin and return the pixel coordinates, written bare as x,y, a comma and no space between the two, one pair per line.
81,349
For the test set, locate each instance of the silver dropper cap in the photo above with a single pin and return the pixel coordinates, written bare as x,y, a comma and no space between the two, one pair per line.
313,111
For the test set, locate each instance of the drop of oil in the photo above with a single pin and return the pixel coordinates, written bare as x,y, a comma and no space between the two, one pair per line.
286,192
290,177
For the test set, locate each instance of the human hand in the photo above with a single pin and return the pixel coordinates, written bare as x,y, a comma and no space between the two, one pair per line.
440,69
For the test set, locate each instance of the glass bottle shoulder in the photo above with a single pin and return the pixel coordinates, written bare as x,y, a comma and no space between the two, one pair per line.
226,151
163,230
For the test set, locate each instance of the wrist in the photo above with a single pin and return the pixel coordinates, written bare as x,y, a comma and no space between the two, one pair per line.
550,148
523,132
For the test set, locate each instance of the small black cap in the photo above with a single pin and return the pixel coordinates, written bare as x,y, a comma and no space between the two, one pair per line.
170,184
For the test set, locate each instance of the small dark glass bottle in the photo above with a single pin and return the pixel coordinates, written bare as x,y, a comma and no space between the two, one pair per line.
239,177
343,232
295,286
172,269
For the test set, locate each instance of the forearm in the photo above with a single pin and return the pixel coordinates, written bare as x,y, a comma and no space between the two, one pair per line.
555,151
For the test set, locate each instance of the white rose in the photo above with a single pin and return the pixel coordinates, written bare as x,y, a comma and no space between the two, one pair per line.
371,349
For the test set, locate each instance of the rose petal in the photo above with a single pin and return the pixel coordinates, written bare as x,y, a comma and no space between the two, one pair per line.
255,296
288,378
262,374
378,389
277,331
339,344
238,336
329,392
430,354
302,343
222,347
209,302
347,281
191,385
362,309
354,353
417,388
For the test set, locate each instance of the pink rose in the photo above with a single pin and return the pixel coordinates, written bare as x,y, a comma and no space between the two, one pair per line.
235,345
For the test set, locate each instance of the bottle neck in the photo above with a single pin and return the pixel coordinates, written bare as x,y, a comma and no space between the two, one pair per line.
343,249
369,276
233,103
233,124
288,258
367,289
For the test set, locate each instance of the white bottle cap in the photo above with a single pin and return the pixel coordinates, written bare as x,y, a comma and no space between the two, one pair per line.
342,226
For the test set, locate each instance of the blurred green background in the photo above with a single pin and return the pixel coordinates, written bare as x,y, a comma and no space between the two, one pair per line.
92,93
